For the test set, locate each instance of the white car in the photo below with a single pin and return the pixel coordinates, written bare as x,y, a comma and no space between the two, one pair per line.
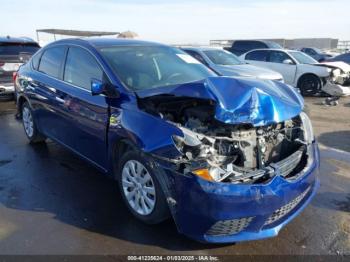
298,70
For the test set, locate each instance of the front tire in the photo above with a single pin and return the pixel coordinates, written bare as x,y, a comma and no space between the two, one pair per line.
29,125
140,189
309,85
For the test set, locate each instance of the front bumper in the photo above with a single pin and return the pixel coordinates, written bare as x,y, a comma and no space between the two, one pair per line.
224,213
335,89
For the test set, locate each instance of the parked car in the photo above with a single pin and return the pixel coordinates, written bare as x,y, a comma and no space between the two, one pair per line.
227,64
13,52
240,47
230,159
341,58
298,70
316,53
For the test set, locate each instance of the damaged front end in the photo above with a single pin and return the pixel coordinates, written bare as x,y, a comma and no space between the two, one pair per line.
238,138
338,83
242,153
246,161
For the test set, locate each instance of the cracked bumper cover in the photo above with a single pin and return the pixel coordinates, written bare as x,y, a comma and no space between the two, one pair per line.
336,89
224,212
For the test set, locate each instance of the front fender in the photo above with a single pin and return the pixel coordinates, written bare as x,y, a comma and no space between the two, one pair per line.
312,69
148,133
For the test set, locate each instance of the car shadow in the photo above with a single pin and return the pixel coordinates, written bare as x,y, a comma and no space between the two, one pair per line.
79,195
333,201
338,139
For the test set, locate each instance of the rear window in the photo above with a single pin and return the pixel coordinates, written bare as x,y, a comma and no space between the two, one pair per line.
51,61
196,55
258,55
16,48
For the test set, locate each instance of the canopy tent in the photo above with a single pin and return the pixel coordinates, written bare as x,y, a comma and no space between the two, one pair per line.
128,34
79,33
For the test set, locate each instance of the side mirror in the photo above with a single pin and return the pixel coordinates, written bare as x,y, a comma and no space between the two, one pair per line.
288,62
98,88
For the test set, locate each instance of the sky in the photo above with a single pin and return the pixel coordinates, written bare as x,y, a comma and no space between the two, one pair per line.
181,22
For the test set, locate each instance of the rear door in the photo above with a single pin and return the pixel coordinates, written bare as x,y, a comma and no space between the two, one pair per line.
87,115
42,90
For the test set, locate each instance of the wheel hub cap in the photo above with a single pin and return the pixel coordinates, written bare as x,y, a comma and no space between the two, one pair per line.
138,187
27,122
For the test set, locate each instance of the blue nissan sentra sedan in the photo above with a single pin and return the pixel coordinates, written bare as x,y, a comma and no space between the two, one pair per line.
229,159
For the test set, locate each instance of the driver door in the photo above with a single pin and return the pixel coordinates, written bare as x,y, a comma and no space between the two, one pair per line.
87,114
277,61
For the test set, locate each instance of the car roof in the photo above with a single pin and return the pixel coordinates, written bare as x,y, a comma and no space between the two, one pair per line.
106,42
274,49
8,39
201,48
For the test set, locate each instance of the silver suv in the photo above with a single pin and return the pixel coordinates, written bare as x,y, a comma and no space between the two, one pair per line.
13,53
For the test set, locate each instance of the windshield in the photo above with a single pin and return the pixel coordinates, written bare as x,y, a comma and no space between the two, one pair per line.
302,58
146,67
15,49
221,57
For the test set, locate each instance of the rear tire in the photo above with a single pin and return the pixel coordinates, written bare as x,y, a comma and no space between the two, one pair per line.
140,189
309,85
29,125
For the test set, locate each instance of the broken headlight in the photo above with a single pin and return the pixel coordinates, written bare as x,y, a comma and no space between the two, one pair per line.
307,128
189,140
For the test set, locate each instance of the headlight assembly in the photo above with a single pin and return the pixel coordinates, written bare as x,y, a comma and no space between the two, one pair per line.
307,128
188,140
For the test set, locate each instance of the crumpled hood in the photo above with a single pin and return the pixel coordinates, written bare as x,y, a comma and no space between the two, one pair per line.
247,70
343,66
240,100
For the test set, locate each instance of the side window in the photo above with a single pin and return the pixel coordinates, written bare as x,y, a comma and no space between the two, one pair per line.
278,57
51,61
197,56
80,67
36,60
258,55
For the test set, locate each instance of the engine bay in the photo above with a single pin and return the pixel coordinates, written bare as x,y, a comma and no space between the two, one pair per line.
233,153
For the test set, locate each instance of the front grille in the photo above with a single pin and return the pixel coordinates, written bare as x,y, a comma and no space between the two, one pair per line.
229,227
287,165
284,210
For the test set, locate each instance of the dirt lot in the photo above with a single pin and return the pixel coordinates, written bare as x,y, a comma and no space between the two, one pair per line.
51,202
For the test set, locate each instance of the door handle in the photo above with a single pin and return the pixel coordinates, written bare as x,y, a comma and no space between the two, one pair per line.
31,88
32,84
60,100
